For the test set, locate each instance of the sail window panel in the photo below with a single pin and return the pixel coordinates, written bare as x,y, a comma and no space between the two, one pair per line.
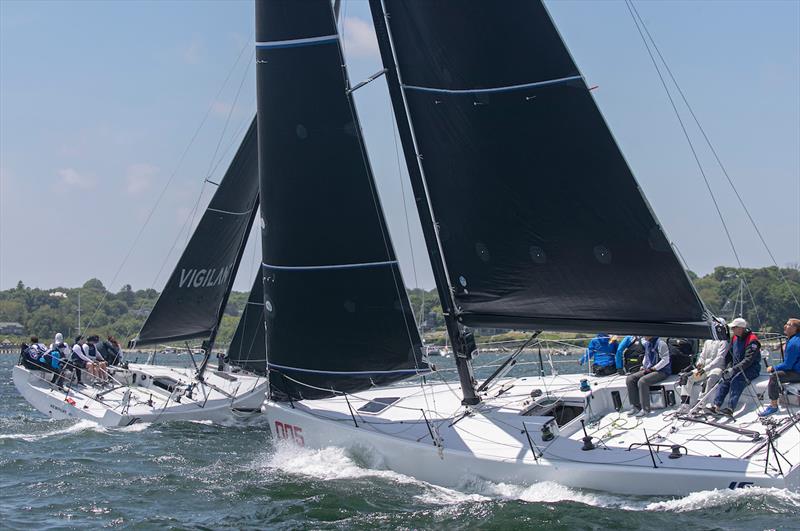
475,44
539,213
343,329
314,164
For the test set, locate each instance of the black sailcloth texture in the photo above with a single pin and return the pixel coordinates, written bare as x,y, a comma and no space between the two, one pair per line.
190,304
248,348
337,313
541,221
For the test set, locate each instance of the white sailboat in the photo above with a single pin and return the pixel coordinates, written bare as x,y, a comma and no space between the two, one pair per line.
191,306
492,113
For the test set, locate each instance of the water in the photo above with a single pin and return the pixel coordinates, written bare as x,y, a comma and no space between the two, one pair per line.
68,474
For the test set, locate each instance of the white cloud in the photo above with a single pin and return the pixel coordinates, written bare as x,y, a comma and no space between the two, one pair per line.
192,52
359,38
138,177
71,177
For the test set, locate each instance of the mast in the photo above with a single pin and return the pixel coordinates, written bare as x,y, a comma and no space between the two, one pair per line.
463,340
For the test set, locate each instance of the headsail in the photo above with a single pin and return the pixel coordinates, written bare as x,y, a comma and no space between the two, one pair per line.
541,222
248,347
191,303
337,313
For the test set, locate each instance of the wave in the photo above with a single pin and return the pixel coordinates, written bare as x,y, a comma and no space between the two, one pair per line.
334,463
79,426
707,499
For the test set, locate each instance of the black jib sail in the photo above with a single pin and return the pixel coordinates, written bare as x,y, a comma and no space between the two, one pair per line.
541,222
337,313
192,301
248,347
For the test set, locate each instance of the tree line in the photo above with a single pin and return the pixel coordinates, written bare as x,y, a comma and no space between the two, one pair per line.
764,296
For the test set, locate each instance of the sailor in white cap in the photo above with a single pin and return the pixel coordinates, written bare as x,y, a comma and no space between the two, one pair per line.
743,363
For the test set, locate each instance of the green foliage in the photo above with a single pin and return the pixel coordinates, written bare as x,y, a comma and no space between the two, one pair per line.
45,312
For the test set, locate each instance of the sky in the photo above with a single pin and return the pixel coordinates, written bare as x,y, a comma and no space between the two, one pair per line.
112,115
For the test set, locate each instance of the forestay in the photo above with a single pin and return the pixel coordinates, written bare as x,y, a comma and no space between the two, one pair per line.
540,219
191,303
337,313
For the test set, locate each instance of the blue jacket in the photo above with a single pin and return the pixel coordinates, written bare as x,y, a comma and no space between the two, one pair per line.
625,343
791,355
600,350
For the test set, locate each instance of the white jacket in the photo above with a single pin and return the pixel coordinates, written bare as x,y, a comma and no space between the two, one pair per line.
713,354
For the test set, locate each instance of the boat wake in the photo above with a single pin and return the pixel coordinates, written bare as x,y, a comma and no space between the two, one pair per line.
332,463
81,425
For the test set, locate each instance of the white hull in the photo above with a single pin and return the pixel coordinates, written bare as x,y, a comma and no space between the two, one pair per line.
492,443
226,398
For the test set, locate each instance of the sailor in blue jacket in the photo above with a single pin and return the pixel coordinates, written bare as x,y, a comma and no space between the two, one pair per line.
786,372
603,352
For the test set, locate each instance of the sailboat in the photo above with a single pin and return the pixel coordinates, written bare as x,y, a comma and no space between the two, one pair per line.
190,307
512,167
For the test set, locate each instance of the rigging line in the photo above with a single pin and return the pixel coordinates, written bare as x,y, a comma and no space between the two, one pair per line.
403,193
224,129
628,4
228,117
716,157
399,285
166,185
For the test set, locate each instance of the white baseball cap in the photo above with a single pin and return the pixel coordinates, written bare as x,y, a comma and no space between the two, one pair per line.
738,322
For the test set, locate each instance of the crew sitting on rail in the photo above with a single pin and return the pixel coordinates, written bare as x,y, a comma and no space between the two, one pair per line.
110,350
31,354
786,372
100,364
602,352
655,368
743,365
708,368
629,355
57,358
80,359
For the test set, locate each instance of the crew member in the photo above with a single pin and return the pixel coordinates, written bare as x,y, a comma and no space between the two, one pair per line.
743,362
786,372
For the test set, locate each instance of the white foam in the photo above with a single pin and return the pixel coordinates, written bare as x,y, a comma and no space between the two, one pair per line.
542,492
336,464
714,498
79,426
134,428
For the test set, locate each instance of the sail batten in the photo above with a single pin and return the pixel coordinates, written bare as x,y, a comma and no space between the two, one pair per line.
490,90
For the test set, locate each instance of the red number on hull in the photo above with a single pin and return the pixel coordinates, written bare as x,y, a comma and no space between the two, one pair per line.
289,432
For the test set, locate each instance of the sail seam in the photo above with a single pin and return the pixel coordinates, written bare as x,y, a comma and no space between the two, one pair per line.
332,266
507,88
229,212
347,373
292,43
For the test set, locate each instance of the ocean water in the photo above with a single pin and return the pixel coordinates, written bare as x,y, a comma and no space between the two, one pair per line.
74,474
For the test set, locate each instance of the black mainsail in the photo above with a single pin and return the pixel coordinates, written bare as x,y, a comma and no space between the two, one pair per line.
337,313
248,347
195,295
540,220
